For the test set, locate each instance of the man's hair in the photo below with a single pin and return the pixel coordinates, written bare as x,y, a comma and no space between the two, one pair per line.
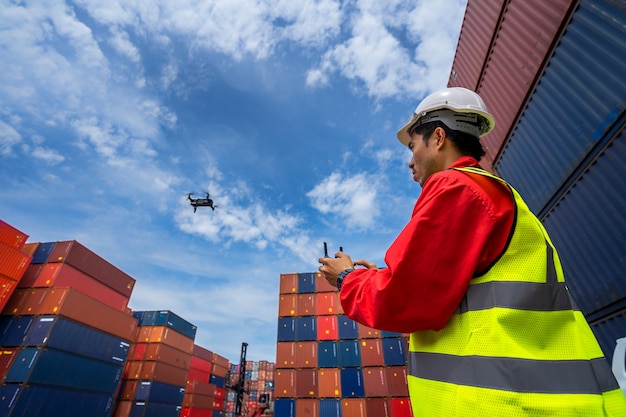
466,144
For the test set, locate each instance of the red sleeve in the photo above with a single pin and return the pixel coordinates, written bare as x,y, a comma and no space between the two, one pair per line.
457,229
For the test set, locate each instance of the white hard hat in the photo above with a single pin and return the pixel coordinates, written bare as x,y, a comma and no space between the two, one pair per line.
459,108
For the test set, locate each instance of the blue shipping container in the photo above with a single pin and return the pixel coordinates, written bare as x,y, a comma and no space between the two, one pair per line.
284,407
43,251
46,401
348,328
328,354
286,329
352,382
34,366
306,282
14,329
166,318
329,407
349,353
160,392
306,328
67,335
154,409
394,351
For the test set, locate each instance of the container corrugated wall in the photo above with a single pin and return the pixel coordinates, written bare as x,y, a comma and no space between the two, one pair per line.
519,49
559,135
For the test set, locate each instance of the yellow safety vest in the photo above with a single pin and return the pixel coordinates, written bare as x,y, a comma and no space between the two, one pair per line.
516,346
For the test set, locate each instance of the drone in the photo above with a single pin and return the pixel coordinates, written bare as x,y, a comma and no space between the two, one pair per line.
200,202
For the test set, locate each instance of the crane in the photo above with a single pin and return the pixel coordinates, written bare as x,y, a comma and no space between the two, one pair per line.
240,390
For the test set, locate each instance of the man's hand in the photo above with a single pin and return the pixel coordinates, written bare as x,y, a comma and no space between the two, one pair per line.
331,267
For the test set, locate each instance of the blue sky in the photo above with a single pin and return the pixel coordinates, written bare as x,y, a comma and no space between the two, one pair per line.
284,110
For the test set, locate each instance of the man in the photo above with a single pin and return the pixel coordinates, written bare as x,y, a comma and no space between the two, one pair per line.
475,280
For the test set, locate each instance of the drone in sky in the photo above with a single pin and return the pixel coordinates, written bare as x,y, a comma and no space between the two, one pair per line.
200,202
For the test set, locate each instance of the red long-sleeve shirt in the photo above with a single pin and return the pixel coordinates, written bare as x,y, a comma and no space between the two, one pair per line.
460,225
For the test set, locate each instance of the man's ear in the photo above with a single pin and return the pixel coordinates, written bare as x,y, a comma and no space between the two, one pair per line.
440,137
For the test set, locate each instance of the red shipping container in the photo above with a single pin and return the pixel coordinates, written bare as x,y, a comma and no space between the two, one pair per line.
285,383
288,283
374,381
7,356
201,364
306,383
30,276
327,328
7,287
137,351
400,407
372,352
287,305
353,407
73,304
218,403
306,354
198,375
286,354
195,412
329,383
129,389
64,275
305,305
307,407
11,236
13,262
220,393
397,385
202,353
378,407
83,259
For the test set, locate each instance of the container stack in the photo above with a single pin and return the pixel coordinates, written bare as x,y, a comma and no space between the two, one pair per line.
200,393
155,377
13,261
258,386
327,365
64,350
220,367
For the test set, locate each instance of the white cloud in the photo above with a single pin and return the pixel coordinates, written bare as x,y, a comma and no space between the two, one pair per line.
352,198
9,137
50,156
374,57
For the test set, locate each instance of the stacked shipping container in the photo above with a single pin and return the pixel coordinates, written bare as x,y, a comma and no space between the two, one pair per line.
155,376
63,351
258,386
330,366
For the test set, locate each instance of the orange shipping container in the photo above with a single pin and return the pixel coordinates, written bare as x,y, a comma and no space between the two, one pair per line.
166,335
306,354
157,371
322,285
202,353
221,361
199,387
286,354
64,275
367,332
288,283
7,287
374,381
287,305
71,303
329,383
30,248
325,303
195,400
395,376
30,276
305,305
353,407
168,354
285,383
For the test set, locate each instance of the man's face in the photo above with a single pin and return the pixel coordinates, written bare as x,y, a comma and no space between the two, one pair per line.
423,162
